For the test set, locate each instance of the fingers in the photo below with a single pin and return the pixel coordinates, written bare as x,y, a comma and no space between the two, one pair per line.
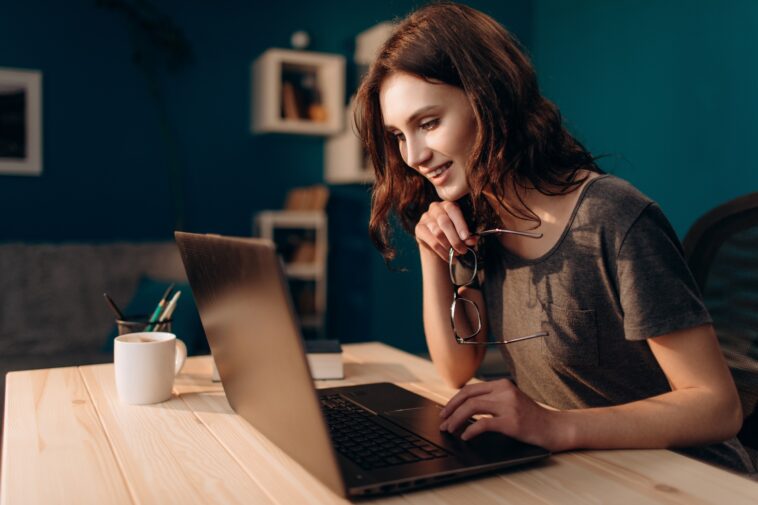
456,217
428,238
443,226
508,411
478,427
481,398
469,408
447,227
465,393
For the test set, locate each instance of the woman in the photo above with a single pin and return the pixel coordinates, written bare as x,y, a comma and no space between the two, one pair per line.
608,340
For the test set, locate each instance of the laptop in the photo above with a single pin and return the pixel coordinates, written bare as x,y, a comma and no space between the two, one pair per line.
360,441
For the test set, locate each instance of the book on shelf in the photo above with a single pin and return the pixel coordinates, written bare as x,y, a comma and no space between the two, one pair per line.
324,359
289,102
301,94
307,198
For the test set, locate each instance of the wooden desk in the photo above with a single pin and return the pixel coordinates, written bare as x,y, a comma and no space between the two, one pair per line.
67,439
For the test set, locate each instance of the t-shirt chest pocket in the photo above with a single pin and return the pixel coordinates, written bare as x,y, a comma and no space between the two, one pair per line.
571,336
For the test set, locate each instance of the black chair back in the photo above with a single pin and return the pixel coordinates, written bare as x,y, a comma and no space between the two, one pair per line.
722,252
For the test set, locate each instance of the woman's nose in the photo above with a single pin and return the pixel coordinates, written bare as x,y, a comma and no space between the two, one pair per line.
417,152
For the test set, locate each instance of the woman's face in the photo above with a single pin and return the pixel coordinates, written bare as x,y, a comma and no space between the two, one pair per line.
435,129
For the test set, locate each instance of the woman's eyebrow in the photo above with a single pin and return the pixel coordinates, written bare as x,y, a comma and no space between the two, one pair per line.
414,116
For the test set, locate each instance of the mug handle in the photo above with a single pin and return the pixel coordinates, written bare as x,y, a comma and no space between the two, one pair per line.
180,356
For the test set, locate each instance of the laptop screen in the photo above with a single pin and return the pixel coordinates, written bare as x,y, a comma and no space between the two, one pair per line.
244,305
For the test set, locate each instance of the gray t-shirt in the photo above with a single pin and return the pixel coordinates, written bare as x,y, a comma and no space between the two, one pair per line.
616,277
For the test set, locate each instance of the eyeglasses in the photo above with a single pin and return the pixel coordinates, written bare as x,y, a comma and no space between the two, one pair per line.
463,312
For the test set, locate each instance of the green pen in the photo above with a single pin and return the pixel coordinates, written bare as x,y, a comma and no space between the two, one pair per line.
157,312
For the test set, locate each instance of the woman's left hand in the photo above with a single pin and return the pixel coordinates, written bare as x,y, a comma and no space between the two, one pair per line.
512,413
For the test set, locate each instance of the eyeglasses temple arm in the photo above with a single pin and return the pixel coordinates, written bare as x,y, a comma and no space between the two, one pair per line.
530,234
500,342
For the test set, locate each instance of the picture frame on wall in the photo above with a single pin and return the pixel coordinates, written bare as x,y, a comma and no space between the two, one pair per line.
20,122
345,159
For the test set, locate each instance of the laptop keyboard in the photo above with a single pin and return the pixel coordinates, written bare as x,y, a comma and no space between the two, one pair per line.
369,444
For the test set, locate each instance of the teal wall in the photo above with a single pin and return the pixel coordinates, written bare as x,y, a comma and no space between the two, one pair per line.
106,160
666,88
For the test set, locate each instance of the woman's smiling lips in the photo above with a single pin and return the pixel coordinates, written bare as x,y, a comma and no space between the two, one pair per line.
437,172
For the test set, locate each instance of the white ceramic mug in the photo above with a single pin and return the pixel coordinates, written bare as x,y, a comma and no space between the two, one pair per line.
146,364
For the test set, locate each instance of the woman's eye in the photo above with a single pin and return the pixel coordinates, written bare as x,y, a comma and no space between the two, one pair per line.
399,137
429,124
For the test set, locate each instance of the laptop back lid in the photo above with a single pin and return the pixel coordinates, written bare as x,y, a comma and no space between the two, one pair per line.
247,315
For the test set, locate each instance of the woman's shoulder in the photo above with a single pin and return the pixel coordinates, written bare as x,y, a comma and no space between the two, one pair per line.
611,206
612,188
614,199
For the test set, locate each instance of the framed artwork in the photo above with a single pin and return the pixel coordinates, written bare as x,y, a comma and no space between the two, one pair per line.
20,122
345,160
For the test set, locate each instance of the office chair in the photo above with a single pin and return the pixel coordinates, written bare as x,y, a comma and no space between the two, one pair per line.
722,252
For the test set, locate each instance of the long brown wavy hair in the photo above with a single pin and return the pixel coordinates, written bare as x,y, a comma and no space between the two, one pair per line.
520,140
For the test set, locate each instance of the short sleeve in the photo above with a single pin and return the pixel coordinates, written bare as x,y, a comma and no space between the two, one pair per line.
657,290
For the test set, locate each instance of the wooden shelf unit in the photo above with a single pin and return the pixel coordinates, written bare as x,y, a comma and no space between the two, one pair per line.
302,241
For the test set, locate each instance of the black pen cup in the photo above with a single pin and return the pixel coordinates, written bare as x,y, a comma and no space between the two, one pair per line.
137,324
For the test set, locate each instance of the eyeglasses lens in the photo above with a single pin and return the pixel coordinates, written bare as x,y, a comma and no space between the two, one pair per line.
466,320
463,268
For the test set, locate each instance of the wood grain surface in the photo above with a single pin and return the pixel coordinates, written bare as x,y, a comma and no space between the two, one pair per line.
68,439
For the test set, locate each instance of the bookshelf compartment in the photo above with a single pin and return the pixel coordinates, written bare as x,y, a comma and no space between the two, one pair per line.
298,92
296,246
301,241
303,292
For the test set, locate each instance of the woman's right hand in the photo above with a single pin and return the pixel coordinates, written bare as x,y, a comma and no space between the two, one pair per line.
443,226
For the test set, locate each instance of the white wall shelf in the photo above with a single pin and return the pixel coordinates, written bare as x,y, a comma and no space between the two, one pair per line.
345,160
302,241
298,92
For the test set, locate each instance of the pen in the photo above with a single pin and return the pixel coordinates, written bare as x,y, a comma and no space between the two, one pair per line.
169,308
161,303
114,307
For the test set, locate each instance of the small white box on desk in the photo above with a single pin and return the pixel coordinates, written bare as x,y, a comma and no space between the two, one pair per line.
324,359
